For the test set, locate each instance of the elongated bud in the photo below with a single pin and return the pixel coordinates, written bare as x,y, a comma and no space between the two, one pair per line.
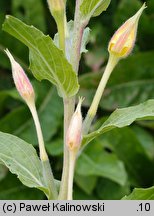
122,42
58,11
74,133
21,80
56,6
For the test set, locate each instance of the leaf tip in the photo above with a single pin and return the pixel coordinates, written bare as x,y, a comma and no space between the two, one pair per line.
7,16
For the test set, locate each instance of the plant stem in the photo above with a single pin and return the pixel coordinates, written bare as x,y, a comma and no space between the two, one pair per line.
47,172
43,154
69,105
72,159
49,178
96,100
68,111
77,39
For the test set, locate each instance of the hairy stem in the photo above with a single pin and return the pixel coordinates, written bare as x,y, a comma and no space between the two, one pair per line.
69,105
96,100
77,38
72,159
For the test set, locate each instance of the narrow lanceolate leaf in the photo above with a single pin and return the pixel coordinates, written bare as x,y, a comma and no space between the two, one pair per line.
22,160
124,117
46,60
141,194
91,8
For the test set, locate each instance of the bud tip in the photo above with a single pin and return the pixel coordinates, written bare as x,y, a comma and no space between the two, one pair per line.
122,42
21,80
74,133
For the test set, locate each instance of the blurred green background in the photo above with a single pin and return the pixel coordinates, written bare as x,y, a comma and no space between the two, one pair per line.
115,163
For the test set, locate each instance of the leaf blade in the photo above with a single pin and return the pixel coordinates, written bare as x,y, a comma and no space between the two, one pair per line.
93,7
97,162
141,194
130,151
46,60
122,118
22,160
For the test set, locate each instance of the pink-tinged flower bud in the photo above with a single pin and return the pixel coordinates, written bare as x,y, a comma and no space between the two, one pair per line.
122,42
74,133
21,80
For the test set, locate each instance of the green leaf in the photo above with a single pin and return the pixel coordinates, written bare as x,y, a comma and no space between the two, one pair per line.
69,40
141,194
147,124
23,10
22,160
131,83
89,8
96,162
47,103
79,194
124,117
12,189
146,139
3,171
87,184
109,190
49,117
102,7
128,148
127,94
55,147
7,41
46,60
7,124
4,95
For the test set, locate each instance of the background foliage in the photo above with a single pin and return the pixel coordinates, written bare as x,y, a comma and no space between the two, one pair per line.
115,163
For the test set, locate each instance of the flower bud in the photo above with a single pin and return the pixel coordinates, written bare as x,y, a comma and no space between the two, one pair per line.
56,5
122,42
74,133
21,80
